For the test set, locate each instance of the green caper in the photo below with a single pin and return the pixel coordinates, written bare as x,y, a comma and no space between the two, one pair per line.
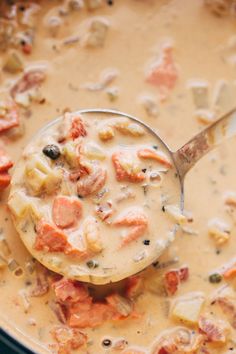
215,278
92,264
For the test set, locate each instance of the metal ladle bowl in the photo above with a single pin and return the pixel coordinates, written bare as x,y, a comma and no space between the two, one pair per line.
183,159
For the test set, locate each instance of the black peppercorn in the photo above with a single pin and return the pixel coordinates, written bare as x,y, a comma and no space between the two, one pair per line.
106,343
146,242
52,151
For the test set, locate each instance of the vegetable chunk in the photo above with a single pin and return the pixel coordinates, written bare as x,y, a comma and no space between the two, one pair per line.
49,238
66,211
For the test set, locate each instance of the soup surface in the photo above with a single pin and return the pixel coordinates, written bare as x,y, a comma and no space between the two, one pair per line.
125,184
172,64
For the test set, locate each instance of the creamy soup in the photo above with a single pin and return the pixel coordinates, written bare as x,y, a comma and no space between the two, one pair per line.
91,197
172,64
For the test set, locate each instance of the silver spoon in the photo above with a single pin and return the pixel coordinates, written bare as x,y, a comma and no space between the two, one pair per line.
183,159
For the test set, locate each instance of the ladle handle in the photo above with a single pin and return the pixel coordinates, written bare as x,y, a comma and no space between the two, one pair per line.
186,157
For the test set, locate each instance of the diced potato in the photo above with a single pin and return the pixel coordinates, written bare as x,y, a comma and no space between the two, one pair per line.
175,213
36,180
224,96
40,176
97,33
23,99
188,309
39,162
106,133
52,181
18,204
94,152
200,94
69,152
219,230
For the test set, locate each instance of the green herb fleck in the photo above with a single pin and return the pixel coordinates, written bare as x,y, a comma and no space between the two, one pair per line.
215,278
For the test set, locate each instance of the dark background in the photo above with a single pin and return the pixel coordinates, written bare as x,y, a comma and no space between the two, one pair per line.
10,346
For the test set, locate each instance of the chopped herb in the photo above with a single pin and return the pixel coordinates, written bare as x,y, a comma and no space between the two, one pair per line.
146,242
106,343
92,264
52,151
155,147
215,278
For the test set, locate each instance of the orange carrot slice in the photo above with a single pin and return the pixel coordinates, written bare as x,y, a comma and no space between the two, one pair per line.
230,273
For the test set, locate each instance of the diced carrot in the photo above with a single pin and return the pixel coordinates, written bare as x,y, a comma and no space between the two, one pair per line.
171,281
230,273
154,155
27,48
5,180
122,174
11,118
164,73
66,211
49,238
77,128
70,291
173,277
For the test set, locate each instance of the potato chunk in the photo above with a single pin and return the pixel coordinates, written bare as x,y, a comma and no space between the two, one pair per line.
40,176
188,309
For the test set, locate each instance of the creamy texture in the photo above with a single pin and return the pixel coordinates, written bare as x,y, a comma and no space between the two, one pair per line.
133,194
203,50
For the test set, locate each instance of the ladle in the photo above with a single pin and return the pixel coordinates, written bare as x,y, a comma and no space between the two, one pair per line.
183,159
